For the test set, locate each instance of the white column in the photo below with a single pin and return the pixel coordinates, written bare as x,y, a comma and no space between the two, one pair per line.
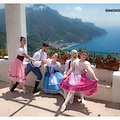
15,27
116,87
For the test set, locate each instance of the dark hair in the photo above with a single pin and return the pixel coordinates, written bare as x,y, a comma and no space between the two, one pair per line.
46,45
84,51
21,38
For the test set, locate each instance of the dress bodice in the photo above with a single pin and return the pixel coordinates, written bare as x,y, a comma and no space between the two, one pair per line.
20,52
81,66
51,67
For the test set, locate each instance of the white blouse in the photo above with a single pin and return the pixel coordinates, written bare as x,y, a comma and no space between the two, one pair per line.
21,51
58,64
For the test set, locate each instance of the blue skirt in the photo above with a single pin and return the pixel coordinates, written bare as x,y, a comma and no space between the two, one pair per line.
51,82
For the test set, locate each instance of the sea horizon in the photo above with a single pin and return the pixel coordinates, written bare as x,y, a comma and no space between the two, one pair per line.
109,42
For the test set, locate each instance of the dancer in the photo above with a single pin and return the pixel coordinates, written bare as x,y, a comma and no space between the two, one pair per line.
52,77
35,65
68,65
16,71
77,82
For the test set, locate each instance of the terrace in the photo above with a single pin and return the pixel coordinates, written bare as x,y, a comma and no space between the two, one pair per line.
17,104
106,102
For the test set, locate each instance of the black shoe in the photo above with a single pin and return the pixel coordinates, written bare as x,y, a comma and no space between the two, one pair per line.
35,91
14,86
35,88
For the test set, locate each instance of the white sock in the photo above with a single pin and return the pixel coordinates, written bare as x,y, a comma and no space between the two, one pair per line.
69,96
82,99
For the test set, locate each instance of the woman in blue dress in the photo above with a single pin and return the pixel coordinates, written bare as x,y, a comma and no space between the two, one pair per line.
52,77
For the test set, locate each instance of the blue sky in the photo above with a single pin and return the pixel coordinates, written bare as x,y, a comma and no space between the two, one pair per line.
94,13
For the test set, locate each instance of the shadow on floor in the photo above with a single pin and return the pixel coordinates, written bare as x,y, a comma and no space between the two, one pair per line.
76,106
29,97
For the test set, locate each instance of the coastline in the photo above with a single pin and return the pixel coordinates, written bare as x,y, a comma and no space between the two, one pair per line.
69,46
63,46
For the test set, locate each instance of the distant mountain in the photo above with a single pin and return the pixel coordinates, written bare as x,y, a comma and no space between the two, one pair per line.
46,24
2,39
2,20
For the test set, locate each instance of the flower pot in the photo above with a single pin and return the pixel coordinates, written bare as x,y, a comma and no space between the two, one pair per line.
1,57
48,56
109,66
61,60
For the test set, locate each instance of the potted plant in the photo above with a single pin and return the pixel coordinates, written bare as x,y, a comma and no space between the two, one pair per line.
63,55
111,61
3,52
90,58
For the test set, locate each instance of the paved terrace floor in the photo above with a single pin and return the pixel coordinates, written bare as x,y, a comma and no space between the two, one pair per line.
17,104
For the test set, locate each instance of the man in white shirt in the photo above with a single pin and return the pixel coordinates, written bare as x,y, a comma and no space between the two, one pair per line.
35,65
68,65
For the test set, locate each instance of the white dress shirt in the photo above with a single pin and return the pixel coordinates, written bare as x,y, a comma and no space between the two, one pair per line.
40,55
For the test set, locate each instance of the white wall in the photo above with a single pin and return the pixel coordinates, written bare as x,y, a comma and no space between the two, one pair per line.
105,93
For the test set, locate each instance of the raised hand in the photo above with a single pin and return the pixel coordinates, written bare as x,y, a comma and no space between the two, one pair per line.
43,62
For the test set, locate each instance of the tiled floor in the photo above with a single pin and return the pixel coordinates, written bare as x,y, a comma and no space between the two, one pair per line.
48,105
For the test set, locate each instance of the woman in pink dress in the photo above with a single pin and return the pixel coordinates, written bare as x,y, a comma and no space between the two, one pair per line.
16,71
77,82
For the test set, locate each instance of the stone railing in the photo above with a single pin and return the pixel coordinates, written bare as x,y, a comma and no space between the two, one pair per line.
109,84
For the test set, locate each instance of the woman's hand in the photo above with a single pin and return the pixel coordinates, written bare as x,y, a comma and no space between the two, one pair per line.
96,79
64,77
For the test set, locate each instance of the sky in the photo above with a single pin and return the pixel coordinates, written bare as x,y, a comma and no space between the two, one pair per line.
95,13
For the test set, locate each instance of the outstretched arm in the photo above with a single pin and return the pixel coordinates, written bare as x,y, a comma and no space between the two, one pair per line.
92,73
29,58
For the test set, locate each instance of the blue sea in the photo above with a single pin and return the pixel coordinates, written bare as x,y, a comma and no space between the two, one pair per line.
107,43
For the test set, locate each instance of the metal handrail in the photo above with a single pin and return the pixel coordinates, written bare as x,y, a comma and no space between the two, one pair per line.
96,52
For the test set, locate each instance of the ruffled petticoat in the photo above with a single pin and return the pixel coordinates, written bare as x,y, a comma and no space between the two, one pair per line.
51,82
79,83
16,71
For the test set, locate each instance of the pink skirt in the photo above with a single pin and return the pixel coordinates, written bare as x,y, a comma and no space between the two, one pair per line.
16,71
79,83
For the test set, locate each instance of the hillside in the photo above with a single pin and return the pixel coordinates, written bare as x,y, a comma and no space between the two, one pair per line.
46,24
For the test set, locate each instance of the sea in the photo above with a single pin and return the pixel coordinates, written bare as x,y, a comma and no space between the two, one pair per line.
108,43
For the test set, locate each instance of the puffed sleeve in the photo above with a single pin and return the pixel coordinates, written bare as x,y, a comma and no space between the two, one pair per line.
58,64
21,51
66,67
86,64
